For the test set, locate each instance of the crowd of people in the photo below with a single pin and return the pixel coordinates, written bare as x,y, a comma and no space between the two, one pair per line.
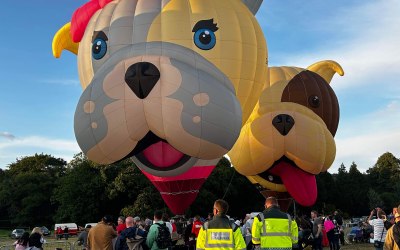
134,231
217,231
270,229
32,241
383,231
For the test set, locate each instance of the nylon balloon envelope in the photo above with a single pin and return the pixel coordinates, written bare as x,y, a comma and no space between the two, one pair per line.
177,84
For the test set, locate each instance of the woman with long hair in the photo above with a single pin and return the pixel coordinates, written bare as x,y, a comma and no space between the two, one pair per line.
22,242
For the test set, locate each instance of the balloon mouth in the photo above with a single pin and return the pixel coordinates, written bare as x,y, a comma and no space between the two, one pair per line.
301,185
156,153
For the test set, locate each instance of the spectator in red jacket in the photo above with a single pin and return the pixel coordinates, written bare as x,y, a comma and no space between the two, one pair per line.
121,224
196,225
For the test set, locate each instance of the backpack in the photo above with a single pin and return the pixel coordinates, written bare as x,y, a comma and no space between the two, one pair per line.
135,243
163,238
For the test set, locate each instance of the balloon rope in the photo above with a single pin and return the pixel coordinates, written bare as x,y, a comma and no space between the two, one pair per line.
226,191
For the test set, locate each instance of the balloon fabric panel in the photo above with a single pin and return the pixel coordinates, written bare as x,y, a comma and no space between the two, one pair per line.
177,84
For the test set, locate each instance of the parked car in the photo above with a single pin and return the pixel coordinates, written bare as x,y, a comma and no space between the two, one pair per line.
17,233
45,231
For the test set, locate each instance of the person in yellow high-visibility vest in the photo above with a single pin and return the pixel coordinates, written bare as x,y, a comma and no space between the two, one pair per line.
220,233
274,229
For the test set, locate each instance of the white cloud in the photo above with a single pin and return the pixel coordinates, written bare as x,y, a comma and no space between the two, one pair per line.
373,136
10,150
364,40
7,135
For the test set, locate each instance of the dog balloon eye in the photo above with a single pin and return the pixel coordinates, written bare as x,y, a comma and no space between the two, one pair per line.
205,39
314,101
99,48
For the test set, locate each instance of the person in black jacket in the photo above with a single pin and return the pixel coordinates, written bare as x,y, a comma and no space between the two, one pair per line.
188,236
66,232
339,220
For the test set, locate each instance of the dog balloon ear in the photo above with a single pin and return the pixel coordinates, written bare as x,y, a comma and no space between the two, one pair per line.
62,40
326,69
253,5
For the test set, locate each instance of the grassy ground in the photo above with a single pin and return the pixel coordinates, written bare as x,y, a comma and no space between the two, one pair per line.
363,246
6,242
4,233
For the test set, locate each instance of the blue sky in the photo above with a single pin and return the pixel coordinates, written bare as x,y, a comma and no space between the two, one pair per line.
38,93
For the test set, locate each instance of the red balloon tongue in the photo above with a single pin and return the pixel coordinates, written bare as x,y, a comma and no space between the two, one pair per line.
301,185
180,191
161,154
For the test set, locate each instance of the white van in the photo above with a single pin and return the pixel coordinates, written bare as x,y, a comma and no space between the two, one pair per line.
91,224
72,228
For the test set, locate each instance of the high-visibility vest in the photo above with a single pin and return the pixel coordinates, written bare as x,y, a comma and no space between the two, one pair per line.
220,238
274,233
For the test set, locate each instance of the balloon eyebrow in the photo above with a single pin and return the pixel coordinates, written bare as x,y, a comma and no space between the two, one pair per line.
205,24
99,34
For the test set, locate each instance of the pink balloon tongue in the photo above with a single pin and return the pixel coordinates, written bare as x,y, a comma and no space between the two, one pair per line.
301,185
162,155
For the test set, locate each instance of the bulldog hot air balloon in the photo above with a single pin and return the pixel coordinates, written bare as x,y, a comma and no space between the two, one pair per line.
168,83
289,136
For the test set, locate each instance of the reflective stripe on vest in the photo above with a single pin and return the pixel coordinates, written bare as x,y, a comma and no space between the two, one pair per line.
219,238
264,228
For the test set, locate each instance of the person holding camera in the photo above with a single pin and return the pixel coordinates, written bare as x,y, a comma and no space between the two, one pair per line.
379,228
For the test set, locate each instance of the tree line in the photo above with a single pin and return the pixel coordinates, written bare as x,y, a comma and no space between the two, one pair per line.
356,193
42,190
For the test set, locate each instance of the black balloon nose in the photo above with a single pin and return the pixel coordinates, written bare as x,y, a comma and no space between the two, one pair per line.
283,123
141,78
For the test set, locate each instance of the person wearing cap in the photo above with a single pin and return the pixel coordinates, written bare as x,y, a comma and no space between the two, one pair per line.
138,222
132,230
274,229
101,235
220,233
392,240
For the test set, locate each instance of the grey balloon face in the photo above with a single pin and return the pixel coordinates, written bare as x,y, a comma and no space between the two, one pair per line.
151,99
157,93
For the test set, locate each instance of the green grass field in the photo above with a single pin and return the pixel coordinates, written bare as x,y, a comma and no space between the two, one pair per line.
6,242
4,233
